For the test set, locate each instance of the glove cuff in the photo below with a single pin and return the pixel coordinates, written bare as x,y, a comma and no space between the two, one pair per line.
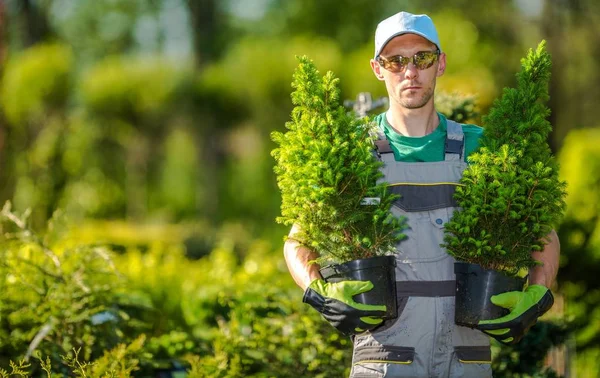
545,303
316,300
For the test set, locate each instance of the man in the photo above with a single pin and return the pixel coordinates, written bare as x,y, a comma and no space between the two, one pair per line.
420,147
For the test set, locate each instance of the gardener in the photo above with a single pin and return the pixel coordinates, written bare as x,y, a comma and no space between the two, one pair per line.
421,147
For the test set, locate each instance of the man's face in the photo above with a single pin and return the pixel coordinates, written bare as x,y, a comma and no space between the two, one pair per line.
410,88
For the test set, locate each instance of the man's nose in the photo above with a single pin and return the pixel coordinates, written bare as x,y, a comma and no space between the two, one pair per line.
411,71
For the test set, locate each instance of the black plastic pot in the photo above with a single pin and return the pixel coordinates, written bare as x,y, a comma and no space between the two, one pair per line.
474,288
380,270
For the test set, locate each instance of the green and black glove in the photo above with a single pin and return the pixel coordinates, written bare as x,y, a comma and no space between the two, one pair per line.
525,308
334,301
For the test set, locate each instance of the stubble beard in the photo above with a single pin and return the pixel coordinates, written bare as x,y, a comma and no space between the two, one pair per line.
416,103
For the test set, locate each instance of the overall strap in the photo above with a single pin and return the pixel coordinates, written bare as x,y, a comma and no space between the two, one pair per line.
455,142
382,145
383,151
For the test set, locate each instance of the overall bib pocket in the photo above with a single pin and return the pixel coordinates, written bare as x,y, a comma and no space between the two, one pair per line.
472,362
383,361
430,234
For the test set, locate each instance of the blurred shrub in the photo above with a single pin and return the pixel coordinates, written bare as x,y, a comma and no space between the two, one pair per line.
266,66
468,57
457,107
54,299
94,184
580,167
268,332
145,150
240,316
34,93
177,186
133,89
228,314
121,361
580,243
36,81
526,359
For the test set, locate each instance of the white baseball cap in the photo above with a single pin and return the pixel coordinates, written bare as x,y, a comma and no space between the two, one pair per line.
403,23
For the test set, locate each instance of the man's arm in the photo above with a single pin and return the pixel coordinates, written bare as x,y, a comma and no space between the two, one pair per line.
333,300
546,274
298,259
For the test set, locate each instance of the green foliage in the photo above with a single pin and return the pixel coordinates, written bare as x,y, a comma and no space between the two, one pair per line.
580,162
34,93
35,83
457,107
51,297
67,148
245,316
131,89
511,196
269,333
178,186
18,369
580,244
228,315
238,316
268,64
121,362
100,28
526,359
325,168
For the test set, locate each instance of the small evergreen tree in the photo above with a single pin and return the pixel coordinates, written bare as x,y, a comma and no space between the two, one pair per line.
328,175
511,196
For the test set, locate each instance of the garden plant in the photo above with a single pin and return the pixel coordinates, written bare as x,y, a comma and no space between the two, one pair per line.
510,195
328,175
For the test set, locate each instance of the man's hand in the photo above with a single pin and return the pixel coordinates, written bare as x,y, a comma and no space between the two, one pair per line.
525,308
334,301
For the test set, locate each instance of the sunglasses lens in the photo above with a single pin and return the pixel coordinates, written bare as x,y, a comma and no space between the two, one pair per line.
395,63
422,60
425,59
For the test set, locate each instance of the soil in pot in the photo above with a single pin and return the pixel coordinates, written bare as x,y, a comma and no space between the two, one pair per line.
474,288
380,270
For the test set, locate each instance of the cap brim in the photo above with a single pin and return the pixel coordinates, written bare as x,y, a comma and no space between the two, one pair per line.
402,33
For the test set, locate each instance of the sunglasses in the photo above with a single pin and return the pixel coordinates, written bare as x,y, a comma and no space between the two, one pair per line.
397,63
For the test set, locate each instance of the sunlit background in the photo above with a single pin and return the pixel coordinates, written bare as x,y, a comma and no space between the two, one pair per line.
144,126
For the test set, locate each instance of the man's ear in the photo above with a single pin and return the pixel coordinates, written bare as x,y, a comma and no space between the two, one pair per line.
441,65
376,69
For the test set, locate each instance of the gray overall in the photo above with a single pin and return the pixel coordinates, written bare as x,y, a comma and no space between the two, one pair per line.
423,341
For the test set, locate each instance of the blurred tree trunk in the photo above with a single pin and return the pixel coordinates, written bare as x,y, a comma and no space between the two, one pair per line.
3,51
203,15
136,179
36,26
573,31
3,36
554,27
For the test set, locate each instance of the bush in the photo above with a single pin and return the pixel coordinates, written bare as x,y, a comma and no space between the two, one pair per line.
326,169
149,308
510,194
54,299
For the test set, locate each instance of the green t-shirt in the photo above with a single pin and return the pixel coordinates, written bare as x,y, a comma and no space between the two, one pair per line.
427,148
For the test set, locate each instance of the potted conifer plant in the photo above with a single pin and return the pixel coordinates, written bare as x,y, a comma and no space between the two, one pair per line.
510,195
328,177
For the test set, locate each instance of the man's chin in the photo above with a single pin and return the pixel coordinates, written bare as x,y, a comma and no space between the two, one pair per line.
413,104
